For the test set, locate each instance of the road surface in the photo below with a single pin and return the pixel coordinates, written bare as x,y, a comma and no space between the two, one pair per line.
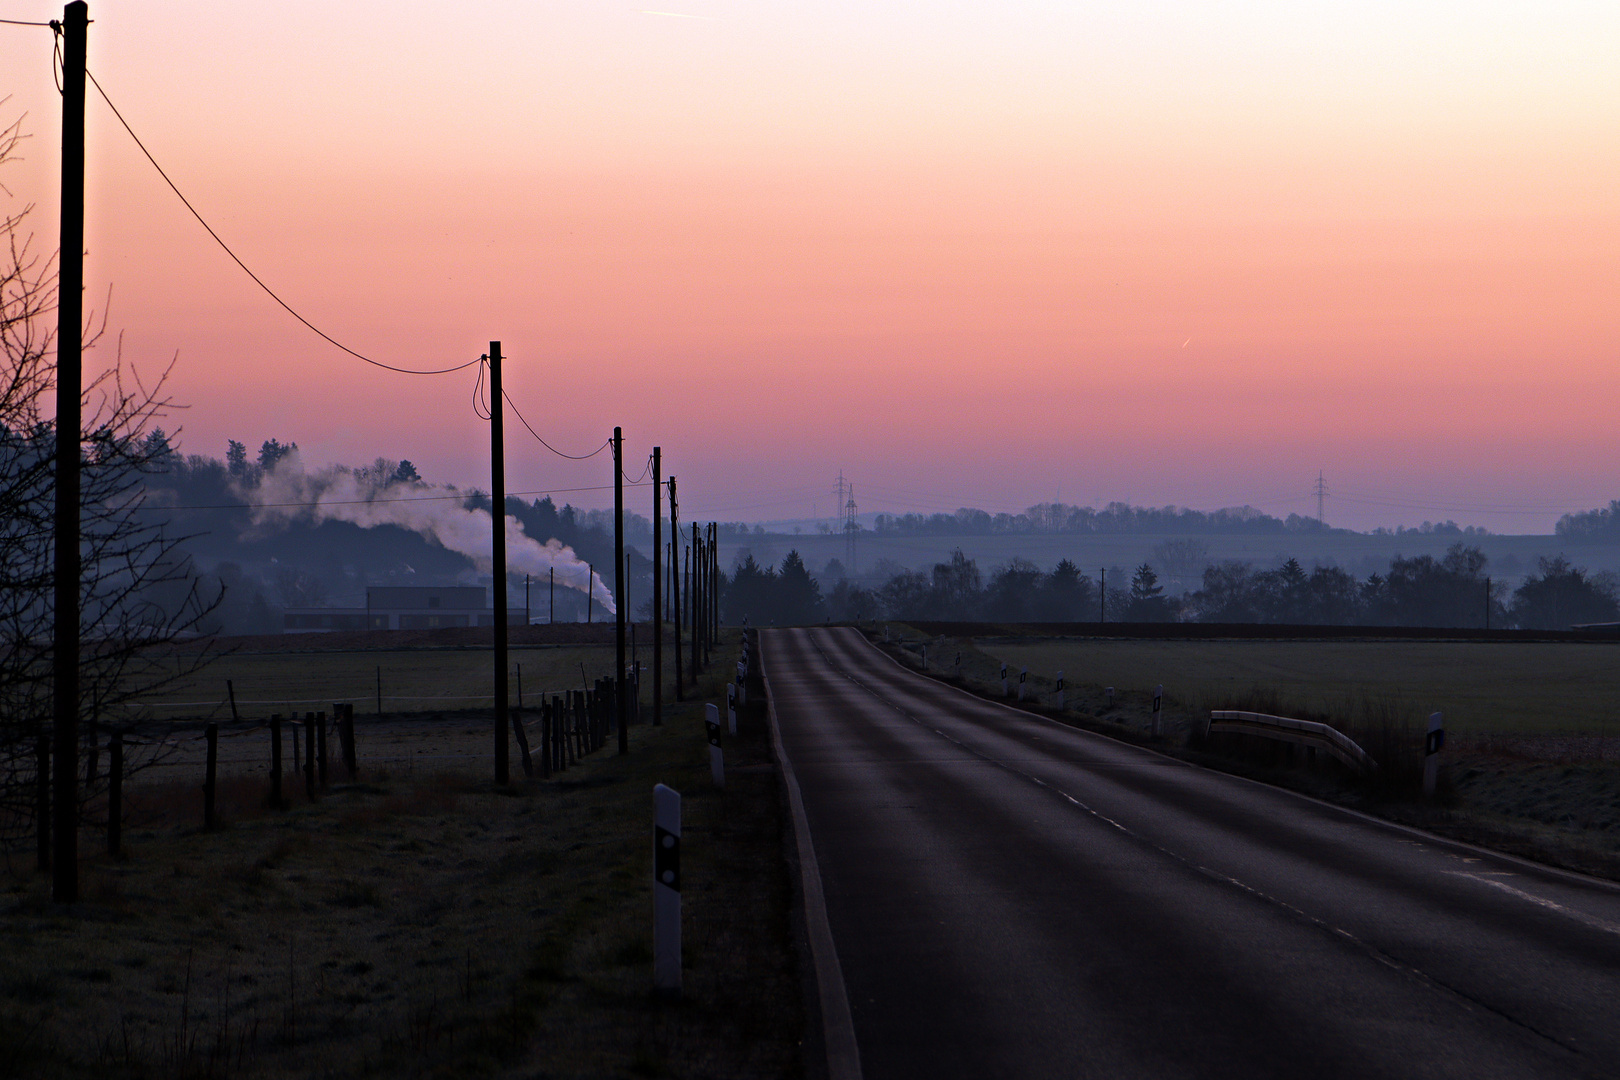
1011,897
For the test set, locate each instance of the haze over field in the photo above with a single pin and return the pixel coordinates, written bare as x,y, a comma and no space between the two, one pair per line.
974,254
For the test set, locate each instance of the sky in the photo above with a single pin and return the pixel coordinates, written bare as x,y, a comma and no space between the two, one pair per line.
970,254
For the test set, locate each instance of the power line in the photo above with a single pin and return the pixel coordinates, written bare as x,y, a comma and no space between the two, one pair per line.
571,457
256,279
19,22
404,498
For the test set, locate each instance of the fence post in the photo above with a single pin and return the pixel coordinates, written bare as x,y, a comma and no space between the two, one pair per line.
42,798
522,740
1432,743
320,740
351,760
717,756
115,792
210,775
275,760
666,890
309,756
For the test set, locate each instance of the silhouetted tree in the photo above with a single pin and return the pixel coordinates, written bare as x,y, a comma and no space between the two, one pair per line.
1561,595
798,596
1148,603
135,589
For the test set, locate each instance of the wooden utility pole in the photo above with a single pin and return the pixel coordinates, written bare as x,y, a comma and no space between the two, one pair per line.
675,582
497,521
693,562
69,379
658,588
619,683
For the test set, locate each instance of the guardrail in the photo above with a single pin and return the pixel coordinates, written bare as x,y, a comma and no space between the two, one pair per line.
1301,732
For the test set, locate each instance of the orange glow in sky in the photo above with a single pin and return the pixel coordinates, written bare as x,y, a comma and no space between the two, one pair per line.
970,254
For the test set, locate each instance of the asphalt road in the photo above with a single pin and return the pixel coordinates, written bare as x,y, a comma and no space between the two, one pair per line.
1011,897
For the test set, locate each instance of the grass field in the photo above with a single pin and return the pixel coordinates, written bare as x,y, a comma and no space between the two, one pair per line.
413,680
1481,687
1531,766
420,923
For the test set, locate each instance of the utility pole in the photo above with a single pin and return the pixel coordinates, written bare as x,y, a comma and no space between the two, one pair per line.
1102,597
552,617
618,589
658,586
497,521
695,561
69,379
528,612
675,582
1321,497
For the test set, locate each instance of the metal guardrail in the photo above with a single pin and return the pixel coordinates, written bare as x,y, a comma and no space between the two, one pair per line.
1300,732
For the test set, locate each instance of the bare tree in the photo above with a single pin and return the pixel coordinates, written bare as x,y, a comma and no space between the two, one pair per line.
1182,559
137,593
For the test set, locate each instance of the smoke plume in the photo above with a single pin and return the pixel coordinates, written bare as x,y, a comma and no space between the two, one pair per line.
287,494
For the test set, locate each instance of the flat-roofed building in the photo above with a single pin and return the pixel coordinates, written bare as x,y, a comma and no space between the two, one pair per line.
401,607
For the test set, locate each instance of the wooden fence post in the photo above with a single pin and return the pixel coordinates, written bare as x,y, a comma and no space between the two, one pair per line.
42,798
351,760
275,760
309,756
115,793
320,741
522,741
210,775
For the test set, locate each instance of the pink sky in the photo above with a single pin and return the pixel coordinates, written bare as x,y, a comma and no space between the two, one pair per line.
971,254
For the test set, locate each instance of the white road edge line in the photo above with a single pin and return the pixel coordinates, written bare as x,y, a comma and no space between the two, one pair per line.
1541,901
1571,876
838,1027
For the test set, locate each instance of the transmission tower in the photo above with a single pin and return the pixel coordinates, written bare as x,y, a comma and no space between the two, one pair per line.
851,528
839,489
1321,497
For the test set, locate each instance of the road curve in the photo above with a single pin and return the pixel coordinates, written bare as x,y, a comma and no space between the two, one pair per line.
1011,897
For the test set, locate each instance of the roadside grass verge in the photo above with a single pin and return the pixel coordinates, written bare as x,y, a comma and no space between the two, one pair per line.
422,925
1540,794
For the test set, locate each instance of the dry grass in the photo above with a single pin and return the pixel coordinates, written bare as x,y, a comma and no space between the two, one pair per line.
1547,790
425,925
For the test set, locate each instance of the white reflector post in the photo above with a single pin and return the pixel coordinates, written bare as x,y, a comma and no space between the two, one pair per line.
717,757
666,890
1431,752
1023,677
731,708
1004,691
1158,711
1060,689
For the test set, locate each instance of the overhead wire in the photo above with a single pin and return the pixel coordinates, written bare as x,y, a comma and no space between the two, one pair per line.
404,498
571,457
245,269
643,475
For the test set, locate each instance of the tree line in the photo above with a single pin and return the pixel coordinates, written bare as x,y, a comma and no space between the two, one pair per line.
1454,590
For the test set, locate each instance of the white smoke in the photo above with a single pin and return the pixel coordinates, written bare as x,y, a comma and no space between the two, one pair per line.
287,493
